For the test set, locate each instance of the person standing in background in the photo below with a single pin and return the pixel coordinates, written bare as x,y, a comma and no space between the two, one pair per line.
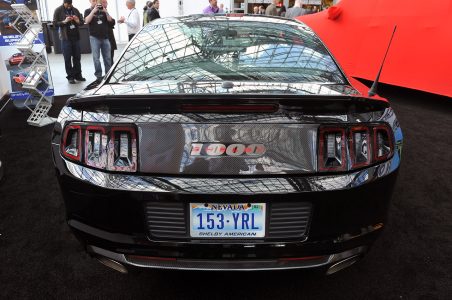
133,19
212,8
153,12
68,19
111,34
282,11
271,9
296,10
146,9
98,17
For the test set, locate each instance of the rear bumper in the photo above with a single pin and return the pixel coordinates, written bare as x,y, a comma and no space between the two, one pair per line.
106,213
114,222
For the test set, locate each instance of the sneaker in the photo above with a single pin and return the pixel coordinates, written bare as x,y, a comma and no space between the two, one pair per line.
80,78
71,80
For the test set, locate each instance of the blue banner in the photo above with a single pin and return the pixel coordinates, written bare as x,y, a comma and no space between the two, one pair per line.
12,39
22,95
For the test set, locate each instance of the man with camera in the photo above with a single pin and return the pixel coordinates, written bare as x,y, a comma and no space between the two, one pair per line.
68,19
98,19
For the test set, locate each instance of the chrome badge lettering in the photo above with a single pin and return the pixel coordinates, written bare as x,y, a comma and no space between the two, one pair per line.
217,149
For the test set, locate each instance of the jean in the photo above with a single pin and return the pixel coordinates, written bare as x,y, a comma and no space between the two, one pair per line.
98,46
71,54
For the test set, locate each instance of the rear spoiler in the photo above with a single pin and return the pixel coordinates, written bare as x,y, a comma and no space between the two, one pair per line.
174,103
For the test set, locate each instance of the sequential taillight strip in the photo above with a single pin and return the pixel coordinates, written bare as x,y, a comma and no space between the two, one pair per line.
73,149
106,146
332,156
367,144
359,140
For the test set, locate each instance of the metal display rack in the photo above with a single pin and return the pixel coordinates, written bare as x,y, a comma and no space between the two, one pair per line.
38,74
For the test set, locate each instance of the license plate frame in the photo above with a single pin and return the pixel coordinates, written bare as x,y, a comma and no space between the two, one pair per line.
240,220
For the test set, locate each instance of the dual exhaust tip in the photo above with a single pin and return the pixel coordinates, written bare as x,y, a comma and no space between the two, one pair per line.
345,263
113,264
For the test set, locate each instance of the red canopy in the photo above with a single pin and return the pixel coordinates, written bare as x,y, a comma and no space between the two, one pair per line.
357,32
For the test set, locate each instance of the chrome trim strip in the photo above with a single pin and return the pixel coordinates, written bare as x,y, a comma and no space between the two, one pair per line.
238,265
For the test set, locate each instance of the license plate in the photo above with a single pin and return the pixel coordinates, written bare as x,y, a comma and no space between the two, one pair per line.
226,220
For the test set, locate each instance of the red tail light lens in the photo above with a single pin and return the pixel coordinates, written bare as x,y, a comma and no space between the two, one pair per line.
96,142
383,145
105,147
123,155
359,146
367,144
332,149
72,142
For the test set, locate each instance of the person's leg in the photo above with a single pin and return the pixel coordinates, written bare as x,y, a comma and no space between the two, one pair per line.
67,54
95,48
106,54
76,53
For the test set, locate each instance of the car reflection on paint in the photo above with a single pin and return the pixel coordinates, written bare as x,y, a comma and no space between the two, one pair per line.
226,142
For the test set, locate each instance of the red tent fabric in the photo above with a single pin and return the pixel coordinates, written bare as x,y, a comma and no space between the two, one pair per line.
357,33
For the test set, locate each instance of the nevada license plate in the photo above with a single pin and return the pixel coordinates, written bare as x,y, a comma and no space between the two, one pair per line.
225,220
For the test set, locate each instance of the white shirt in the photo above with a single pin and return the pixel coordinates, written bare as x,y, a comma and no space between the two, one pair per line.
133,21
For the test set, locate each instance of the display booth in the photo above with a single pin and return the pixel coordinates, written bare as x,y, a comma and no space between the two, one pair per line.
25,61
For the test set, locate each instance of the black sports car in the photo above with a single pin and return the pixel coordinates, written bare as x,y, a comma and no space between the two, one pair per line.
227,142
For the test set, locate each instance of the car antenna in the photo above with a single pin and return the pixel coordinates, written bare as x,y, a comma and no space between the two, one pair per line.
373,89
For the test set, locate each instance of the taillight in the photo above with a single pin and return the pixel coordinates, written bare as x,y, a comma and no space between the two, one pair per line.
367,144
332,149
96,142
105,147
383,146
123,155
72,142
359,146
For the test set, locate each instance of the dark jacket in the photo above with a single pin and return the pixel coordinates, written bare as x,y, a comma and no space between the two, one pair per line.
111,35
153,14
59,16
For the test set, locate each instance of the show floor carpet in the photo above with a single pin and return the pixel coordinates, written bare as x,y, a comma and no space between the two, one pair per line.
40,259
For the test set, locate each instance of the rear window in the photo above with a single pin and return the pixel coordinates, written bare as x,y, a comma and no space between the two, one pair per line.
225,49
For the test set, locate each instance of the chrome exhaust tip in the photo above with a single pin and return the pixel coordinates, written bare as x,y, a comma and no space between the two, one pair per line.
113,264
343,264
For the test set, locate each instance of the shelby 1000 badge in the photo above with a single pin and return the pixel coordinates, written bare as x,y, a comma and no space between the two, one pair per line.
220,220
